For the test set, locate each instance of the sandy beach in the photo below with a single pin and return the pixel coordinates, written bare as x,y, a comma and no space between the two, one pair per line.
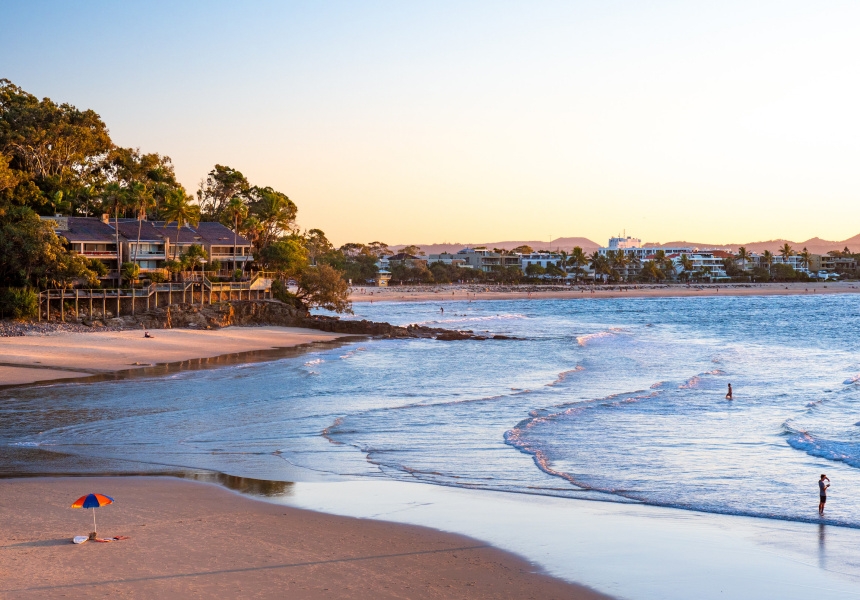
39,358
193,540
458,292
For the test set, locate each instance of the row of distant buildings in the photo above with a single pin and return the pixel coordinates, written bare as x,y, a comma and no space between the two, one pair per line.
709,263
149,243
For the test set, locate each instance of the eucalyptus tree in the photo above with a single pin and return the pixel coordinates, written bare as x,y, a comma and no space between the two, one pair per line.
220,186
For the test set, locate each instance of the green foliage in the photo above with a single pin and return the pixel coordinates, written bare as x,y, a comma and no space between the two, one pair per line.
31,254
324,287
97,267
760,274
221,185
156,277
18,303
535,270
194,257
287,256
172,266
130,271
784,272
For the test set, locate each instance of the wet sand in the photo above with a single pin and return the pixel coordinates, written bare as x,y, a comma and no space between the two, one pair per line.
195,540
63,355
439,293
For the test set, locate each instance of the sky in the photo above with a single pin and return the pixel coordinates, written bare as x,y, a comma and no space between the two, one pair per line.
429,122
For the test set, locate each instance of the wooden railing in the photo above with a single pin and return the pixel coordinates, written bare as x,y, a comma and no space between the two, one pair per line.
259,286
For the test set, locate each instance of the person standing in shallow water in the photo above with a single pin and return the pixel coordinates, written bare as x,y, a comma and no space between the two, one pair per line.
729,394
822,490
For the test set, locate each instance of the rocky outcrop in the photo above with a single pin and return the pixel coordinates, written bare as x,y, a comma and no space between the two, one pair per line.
272,312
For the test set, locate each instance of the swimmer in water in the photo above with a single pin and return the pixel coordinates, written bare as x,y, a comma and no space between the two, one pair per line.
729,395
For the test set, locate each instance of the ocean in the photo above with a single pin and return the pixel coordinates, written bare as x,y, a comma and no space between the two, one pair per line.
607,400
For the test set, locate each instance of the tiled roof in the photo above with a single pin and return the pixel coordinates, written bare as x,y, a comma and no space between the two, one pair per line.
205,232
148,233
88,229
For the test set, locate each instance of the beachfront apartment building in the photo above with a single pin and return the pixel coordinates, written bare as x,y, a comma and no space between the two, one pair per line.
148,243
541,259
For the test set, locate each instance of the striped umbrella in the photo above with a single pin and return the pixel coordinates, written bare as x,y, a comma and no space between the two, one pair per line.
92,501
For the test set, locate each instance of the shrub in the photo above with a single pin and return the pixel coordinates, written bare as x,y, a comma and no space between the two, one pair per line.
19,303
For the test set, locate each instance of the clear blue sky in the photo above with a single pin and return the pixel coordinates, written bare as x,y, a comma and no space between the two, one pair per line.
479,121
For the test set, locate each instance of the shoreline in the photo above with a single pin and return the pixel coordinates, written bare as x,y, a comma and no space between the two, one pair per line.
465,292
190,538
83,357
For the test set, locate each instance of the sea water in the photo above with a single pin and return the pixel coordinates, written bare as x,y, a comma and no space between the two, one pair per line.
609,400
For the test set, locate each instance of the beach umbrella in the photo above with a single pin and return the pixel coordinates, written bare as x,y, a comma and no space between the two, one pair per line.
92,501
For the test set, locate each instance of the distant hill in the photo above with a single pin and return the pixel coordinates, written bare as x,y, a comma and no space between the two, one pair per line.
567,244
814,245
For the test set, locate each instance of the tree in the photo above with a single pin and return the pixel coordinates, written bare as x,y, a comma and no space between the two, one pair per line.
114,198
317,245
651,272
411,250
179,209
534,270
686,265
236,211
139,197
599,264
194,256
53,143
31,254
743,256
524,249
767,259
130,271
805,258
287,256
577,260
785,251
324,287
276,214
221,184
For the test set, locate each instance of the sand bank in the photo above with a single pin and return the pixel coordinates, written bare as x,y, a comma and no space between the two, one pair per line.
191,539
471,292
30,359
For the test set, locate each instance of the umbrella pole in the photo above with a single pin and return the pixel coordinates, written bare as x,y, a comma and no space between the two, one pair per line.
94,520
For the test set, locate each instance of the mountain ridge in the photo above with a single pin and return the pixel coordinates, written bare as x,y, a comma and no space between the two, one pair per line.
814,245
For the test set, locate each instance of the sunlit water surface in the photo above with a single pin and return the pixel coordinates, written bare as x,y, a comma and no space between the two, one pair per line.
613,400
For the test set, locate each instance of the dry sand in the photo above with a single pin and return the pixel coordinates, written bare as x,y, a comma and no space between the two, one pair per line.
194,540
29,359
438,293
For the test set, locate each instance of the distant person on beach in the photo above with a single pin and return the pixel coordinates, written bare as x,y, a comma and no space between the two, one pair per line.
822,493
729,394
146,334
441,310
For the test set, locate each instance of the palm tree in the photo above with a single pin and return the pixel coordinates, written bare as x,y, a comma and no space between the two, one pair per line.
785,251
577,260
805,258
114,198
236,210
178,207
622,263
599,264
767,259
743,256
140,198
686,265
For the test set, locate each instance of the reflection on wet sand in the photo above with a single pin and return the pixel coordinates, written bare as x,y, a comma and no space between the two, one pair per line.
245,485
